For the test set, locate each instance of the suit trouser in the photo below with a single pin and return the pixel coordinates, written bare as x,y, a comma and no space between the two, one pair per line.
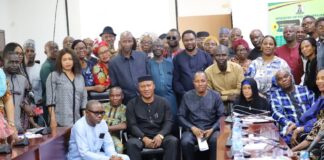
188,142
169,144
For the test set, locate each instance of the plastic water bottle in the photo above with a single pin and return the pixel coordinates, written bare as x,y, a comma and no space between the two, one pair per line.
304,155
237,142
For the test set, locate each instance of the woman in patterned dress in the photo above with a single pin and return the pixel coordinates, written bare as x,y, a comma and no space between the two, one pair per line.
7,125
100,71
318,110
264,68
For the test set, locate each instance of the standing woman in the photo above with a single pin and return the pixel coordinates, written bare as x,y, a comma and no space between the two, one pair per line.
65,92
265,67
308,50
80,48
242,51
100,71
7,109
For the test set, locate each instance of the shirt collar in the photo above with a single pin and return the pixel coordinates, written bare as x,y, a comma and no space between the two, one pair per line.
228,68
125,58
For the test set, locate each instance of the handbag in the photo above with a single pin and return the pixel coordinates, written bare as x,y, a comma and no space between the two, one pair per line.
3,83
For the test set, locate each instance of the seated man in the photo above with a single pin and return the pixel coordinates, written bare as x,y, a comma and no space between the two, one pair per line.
199,112
288,103
89,135
115,116
225,77
149,121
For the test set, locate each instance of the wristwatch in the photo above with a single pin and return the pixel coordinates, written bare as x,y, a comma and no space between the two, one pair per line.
161,136
11,124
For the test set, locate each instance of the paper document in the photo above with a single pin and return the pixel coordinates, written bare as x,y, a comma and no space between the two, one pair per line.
251,119
29,135
255,146
203,145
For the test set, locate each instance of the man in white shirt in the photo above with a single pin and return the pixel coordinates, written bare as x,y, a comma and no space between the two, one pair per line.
33,70
89,135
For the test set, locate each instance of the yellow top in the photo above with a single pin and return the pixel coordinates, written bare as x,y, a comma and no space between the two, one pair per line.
226,83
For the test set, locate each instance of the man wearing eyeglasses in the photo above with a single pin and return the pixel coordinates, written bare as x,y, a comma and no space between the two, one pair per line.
173,38
149,121
308,24
89,135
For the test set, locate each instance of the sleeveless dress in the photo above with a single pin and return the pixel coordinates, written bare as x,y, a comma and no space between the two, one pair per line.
5,130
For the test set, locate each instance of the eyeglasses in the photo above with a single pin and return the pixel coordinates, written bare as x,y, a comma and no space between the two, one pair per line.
146,42
158,46
97,113
171,38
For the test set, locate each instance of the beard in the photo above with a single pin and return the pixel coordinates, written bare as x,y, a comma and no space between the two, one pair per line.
12,70
176,44
191,49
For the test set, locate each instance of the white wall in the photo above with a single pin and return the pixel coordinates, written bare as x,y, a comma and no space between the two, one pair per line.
22,19
33,19
203,7
137,16
251,14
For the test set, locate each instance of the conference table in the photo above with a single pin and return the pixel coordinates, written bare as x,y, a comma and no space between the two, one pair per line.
48,147
225,131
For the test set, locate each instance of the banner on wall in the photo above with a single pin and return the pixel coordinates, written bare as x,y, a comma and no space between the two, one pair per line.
285,13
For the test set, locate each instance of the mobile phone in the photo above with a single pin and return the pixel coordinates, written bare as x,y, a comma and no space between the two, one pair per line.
101,135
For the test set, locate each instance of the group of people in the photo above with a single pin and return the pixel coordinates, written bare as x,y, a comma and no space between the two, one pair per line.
155,86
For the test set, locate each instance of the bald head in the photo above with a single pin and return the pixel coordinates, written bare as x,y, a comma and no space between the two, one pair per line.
222,49
289,33
126,43
236,34
92,104
200,74
51,49
67,42
256,37
285,80
300,34
126,34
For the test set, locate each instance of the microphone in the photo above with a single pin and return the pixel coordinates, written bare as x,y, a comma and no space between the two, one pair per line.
249,108
31,94
319,136
46,130
22,142
5,148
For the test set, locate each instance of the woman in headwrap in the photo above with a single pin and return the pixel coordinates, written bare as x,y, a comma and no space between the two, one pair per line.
242,51
210,43
100,71
249,101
